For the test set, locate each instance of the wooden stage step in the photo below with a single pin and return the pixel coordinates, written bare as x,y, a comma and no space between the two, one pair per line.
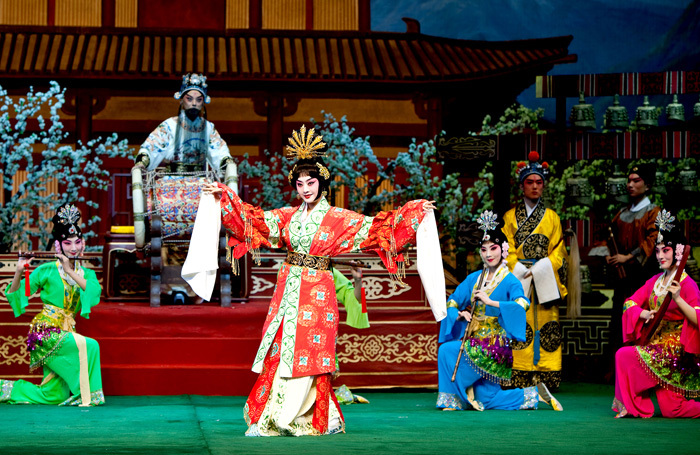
209,350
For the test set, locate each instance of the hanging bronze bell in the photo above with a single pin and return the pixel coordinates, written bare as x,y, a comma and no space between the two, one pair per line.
586,286
647,115
689,179
616,117
675,111
578,190
582,114
660,183
616,186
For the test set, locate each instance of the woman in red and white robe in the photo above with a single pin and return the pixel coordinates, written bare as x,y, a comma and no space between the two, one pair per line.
296,357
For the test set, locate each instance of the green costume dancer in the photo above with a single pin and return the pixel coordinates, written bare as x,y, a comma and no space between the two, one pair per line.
71,362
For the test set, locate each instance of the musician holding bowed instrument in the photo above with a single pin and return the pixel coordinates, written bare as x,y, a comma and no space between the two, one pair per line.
484,314
666,358
70,362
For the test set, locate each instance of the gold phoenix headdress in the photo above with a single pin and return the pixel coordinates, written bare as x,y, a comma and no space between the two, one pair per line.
305,146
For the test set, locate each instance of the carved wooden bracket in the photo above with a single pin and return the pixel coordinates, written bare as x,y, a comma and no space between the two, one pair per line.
262,105
70,106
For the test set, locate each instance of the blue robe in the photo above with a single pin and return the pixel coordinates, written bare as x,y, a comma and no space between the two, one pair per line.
487,361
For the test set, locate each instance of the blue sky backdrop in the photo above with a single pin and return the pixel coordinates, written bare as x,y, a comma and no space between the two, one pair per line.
610,36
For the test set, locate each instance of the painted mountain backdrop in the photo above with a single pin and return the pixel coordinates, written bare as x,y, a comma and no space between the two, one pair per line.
609,36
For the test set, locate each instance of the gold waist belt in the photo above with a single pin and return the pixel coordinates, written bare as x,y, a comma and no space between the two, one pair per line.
63,319
308,260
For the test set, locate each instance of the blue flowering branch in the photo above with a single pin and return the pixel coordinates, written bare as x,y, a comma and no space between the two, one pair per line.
35,159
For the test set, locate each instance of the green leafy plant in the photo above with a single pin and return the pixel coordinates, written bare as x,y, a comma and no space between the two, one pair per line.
273,191
515,119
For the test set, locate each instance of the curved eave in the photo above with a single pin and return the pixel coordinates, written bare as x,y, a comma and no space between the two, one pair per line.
259,56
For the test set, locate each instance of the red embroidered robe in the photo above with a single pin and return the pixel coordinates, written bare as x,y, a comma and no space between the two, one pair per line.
303,304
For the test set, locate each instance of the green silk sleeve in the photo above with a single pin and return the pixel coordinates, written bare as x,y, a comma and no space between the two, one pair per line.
90,297
345,293
18,300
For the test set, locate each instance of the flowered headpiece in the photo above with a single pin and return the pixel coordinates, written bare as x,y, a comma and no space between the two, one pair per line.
670,234
488,222
65,222
532,167
193,81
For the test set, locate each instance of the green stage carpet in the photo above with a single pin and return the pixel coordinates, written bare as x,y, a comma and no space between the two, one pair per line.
403,422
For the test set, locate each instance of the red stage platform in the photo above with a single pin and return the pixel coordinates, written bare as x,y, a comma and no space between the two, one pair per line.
208,350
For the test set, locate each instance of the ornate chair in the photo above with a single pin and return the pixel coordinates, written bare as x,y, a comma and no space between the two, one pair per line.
165,208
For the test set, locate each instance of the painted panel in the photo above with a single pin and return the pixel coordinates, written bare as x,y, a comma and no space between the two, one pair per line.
336,15
78,13
237,13
126,13
284,14
23,12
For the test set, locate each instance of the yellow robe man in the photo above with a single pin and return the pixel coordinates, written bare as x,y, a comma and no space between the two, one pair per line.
537,245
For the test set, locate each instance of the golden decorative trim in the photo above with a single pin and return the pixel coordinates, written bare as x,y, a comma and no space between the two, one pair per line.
391,348
381,288
308,260
527,224
323,170
17,344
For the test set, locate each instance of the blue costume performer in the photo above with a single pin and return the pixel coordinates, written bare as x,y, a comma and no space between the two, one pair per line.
499,317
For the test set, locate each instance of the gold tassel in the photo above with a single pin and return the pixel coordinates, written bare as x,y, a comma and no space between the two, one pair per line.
248,233
255,254
236,267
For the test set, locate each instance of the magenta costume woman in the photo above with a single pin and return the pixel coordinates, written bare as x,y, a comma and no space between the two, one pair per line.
670,364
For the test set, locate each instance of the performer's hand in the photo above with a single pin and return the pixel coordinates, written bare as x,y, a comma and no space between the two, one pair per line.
22,262
213,189
647,315
466,315
484,297
65,262
428,206
675,290
618,258
356,272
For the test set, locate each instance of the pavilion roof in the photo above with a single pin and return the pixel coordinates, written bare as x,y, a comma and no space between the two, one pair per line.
327,57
